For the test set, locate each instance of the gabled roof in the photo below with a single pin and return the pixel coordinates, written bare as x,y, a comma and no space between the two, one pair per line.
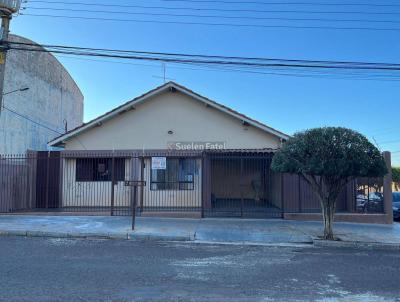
167,86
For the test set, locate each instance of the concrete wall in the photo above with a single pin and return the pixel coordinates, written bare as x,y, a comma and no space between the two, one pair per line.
148,125
52,97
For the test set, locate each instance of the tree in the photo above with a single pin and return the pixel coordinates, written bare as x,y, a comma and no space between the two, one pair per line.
396,177
328,158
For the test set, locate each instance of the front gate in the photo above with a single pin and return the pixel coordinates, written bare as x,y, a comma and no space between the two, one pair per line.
242,185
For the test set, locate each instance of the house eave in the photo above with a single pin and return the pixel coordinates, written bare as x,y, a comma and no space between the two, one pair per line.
128,106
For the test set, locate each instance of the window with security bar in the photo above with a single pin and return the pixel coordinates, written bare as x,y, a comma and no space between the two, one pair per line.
178,175
99,169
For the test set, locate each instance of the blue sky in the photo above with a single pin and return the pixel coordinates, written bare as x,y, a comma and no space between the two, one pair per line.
286,103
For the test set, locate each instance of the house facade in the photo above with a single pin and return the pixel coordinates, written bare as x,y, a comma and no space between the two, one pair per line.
187,156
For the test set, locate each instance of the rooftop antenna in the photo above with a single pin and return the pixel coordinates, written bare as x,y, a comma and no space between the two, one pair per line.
164,71
7,9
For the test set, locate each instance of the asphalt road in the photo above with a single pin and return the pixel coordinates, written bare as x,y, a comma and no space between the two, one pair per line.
34,269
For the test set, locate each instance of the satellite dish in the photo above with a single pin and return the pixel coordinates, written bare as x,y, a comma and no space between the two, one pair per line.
10,6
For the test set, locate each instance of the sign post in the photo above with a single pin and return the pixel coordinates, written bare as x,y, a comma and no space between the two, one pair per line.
135,184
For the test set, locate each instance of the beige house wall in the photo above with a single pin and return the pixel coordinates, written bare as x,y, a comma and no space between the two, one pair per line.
147,127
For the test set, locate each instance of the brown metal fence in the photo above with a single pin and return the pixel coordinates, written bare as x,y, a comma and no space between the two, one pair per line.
17,181
100,182
207,184
299,197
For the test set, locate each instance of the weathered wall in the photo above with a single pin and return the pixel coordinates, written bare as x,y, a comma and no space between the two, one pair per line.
148,125
52,97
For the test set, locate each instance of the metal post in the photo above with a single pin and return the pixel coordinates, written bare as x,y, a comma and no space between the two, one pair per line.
300,195
142,180
387,189
241,188
134,200
5,27
112,184
202,184
47,179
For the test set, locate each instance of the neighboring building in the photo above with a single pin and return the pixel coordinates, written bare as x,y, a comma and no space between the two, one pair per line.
194,155
30,119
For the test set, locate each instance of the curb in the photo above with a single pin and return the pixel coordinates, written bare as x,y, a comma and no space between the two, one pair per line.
126,236
357,244
150,237
254,243
181,238
44,234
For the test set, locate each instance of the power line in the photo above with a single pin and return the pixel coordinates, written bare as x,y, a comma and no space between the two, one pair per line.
283,3
41,125
31,120
210,16
213,24
214,9
230,70
378,64
390,142
300,75
309,67
242,63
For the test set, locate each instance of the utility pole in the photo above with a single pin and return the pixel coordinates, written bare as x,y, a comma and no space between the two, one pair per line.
7,9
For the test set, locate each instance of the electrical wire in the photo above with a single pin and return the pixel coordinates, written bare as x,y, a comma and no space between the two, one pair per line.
31,120
230,70
209,16
243,63
240,64
213,9
283,3
291,73
390,142
213,24
110,50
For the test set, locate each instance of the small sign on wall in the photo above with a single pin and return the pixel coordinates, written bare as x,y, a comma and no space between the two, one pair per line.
159,163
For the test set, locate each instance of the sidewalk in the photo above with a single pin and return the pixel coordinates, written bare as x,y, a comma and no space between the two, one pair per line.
233,231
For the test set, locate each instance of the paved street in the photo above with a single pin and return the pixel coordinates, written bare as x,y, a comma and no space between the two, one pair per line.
40,269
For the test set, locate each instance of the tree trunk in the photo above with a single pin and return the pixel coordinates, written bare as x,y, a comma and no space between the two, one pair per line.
328,211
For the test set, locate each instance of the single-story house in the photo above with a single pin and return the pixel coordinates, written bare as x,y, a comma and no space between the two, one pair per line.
190,155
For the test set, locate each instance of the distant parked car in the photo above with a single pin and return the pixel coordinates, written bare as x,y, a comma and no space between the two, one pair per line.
396,205
371,203
361,201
